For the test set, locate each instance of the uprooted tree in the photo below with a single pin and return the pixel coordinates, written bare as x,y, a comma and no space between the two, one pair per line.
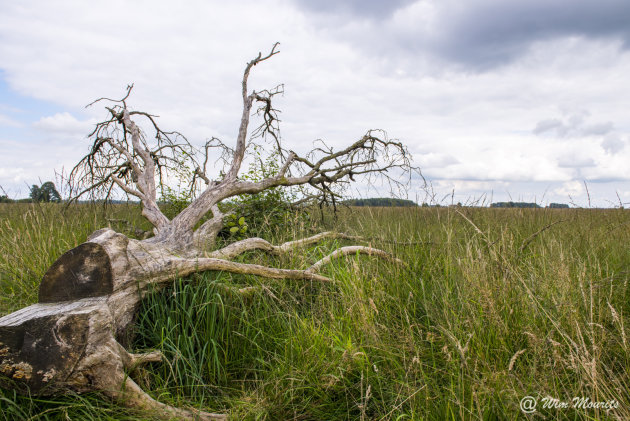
72,340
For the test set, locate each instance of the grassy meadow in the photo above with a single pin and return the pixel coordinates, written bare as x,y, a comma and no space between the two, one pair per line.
494,305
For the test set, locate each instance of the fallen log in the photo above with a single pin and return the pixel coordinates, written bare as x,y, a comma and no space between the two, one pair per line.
72,339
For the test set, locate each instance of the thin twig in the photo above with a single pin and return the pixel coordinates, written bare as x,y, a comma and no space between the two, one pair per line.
531,238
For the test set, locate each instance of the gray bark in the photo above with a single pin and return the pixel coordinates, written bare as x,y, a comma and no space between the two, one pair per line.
73,338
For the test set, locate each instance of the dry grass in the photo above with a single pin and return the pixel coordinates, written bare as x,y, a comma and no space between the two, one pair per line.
496,304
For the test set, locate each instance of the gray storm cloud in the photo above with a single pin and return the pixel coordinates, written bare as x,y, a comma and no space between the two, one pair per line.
487,33
362,8
476,35
573,126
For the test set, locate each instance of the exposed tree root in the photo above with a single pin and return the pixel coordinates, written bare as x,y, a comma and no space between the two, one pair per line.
346,251
249,244
175,266
239,247
132,395
183,267
132,361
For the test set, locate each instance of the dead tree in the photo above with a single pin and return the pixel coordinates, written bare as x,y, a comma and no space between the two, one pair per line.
72,338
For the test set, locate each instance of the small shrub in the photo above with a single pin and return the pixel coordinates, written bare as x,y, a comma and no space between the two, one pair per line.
255,214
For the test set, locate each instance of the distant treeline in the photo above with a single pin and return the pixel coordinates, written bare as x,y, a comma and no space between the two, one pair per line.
527,205
379,201
5,199
514,205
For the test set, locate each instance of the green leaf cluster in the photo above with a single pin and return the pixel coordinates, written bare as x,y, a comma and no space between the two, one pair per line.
261,212
252,214
236,225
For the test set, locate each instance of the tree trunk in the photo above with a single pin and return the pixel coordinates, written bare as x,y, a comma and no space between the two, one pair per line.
74,338
71,339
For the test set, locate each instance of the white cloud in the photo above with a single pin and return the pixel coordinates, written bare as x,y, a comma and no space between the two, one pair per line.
8,121
435,160
570,189
612,143
342,76
64,124
15,174
552,124
573,127
575,161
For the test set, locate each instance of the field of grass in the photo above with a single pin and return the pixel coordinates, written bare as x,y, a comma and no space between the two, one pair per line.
495,305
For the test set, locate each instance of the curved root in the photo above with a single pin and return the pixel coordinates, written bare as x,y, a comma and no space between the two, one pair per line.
218,260
125,390
345,251
130,394
249,244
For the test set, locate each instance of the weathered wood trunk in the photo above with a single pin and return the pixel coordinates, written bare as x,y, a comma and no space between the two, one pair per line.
71,339
75,337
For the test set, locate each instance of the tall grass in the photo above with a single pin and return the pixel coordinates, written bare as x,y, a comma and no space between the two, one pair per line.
33,236
495,305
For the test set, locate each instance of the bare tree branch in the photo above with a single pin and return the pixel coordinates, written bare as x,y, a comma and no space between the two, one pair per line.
239,151
121,156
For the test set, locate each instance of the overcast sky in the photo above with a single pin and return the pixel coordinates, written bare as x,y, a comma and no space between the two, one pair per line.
497,100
